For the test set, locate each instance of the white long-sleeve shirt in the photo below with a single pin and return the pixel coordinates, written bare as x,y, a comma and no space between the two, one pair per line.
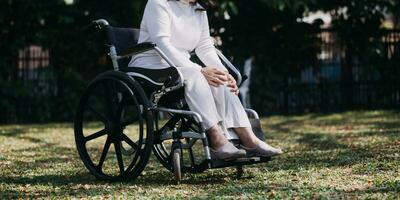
177,29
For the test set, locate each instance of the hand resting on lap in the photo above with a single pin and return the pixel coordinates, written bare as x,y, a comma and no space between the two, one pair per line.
216,78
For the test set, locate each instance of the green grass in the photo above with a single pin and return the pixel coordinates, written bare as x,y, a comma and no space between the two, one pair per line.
351,155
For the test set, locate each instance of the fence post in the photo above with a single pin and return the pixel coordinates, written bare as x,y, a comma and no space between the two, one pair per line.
347,77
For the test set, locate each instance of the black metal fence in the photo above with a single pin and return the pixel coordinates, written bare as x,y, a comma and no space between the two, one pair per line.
346,76
33,86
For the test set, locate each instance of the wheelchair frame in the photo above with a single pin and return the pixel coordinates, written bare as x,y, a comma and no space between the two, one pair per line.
173,160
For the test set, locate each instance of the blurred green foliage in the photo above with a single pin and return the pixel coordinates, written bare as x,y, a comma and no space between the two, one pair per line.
268,29
75,56
283,45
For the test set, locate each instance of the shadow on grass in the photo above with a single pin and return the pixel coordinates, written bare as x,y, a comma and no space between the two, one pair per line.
329,149
148,179
387,120
321,141
325,150
48,155
14,132
298,191
320,151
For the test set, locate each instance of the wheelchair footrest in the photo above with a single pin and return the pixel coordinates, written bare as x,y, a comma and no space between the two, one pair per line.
239,161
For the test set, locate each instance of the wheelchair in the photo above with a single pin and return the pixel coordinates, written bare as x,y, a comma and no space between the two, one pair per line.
127,113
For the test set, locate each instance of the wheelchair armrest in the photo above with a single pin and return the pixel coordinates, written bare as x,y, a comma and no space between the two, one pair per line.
244,78
138,48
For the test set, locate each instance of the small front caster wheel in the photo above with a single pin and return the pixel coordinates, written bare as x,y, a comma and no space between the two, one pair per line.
176,159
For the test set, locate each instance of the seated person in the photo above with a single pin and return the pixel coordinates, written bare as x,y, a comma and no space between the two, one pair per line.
178,27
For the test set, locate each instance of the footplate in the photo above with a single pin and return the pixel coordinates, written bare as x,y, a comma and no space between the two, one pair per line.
238,162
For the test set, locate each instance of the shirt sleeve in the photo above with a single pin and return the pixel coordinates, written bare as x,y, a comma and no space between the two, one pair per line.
158,22
205,49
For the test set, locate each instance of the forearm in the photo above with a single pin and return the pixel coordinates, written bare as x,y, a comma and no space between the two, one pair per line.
207,54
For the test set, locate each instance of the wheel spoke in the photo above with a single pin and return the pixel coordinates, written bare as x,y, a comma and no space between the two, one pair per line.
109,103
98,114
104,153
130,142
118,147
96,135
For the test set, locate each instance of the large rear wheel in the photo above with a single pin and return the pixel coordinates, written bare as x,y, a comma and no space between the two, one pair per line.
113,127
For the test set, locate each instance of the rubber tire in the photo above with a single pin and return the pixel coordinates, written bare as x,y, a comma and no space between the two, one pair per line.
149,120
176,159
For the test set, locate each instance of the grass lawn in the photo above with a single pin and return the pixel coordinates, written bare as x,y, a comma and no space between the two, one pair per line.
351,155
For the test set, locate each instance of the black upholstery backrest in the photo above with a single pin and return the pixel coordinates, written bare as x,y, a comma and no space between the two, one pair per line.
122,38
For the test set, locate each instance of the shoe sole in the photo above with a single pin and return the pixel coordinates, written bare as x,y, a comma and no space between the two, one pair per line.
234,157
230,158
249,154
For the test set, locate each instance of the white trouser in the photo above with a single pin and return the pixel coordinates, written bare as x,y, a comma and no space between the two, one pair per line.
216,105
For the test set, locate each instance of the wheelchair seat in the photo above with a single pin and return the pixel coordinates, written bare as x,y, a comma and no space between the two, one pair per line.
154,79
124,39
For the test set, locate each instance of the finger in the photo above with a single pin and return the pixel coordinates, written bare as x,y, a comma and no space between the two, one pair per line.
232,84
213,83
216,80
207,76
219,72
236,89
232,79
222,78
210,77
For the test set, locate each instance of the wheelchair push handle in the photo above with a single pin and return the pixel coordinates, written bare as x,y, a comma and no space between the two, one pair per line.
96,24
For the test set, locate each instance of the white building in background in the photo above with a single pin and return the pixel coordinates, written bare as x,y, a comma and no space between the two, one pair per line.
31,60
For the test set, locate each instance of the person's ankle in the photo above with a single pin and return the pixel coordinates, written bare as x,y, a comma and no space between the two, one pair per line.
218,144
251,143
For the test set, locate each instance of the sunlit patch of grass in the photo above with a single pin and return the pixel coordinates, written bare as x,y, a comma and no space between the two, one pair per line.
342,155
